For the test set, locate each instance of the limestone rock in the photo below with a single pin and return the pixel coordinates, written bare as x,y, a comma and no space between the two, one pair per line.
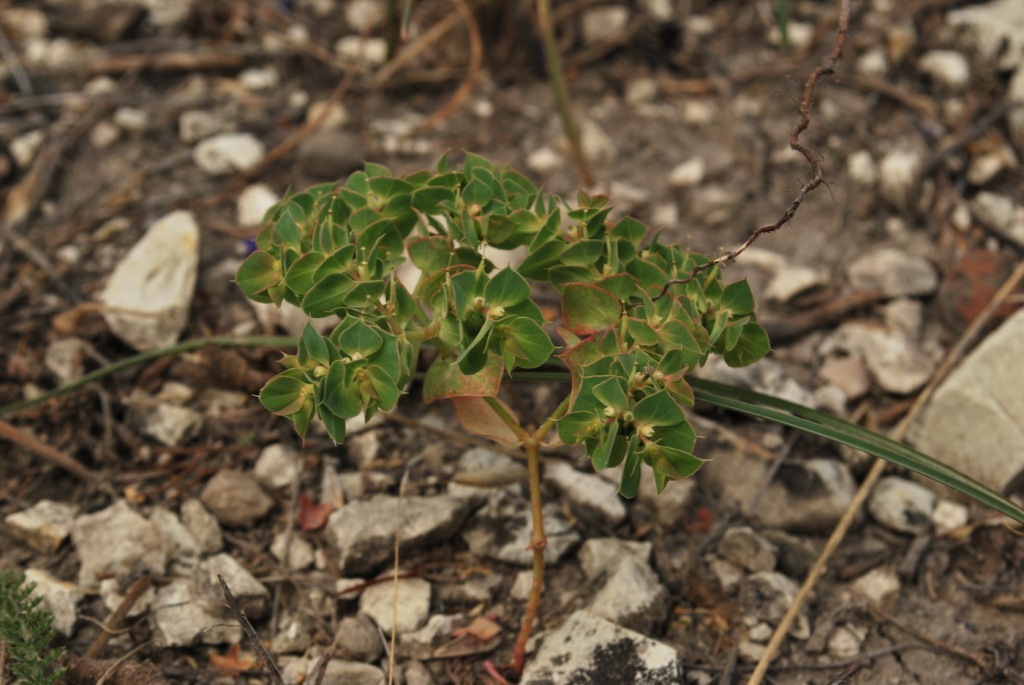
743,547
587,492
993,31
147,297
631,593
590,650
277,466
413,600
362,533
203,526
44,526
179,620
902,505
500,530
236,498
894,272
358,639
227,153
59,598
111,542
975,420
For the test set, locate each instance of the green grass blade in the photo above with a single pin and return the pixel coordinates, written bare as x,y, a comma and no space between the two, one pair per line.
834,429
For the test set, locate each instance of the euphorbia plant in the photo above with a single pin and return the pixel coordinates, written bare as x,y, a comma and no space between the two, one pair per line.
636,315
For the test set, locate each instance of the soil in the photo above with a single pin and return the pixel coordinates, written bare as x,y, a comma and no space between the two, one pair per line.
728,96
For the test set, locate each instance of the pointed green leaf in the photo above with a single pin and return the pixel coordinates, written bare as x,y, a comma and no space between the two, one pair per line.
257,273
341,397
284,393
587,308
658,409
444,380
300,276
506,288
313,347
752,345
359,340
328,296
528,342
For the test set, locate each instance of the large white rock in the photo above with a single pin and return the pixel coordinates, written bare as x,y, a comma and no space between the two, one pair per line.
975,420
590,650
147,297
227,153
994,32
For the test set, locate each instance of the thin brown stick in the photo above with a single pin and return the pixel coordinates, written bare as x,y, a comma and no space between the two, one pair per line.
250,632
167,61
476,58
538,541
817,177
130,598
951,360
414,49
50,454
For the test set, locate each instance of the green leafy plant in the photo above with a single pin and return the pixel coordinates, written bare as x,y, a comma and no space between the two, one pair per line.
412,263
26,632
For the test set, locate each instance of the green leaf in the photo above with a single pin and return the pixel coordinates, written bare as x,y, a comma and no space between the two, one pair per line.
328,296
341,397
587,308
284,393
658,409
313,347
257,273
642,332
300,276
528,342
583,253
430,253
335,425
364,294
506,288
737,298
384,387
834,429
359,340
577,426
752,345
602,454
612,393
630,475
477,192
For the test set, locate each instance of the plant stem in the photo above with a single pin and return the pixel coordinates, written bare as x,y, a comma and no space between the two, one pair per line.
553,60
538,541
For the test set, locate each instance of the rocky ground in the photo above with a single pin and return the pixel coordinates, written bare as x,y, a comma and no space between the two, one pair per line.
144,141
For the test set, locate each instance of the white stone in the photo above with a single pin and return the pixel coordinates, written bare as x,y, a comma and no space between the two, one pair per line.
59,598
337,671
896,362
745,548
371,52
1015,117
44,526
894,272
300,551
25,23
946,67
500,530
898,173
260,78
412,597
949,516
25,147
601,24
251,596
186,546
203,526
994,31
698,112
794,280
688,174
335,115
179,620
114,541
800,34
578,652
846,642
63,359
878,584
147,297
660,10
131,119
544,160
873,62
253,203
598,146
365,16
196,124
278,466
641,91
861,167
902,505
228,153
110,593
104,134
1000,214
987,165
168,424
588,492
974,422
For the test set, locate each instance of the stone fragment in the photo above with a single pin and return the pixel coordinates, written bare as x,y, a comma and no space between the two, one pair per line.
417,673
590,650
236,498
847,373
259,78
807,496
358,639
63,359
60,598
800,34
846,642
186,549
767,596
501,531
588,492
792,281
947,68
986,165
974,421
253,203
180,621
902,505
544,160
203,526
252,597
365,16
24,23
338,672
993,31
278,466
631,593
1015,117
420,644
146,300
371,52
999,214
167,423
113,541
331,154
196,124
598,146
112,596
861,167
104,134
131,119
605,23
44,526
688,174
227,153
728,574
897,177
481,467
299,555
949,516
412,597
878,585
894,272
744,547
25,147
796,554
361,534
292,637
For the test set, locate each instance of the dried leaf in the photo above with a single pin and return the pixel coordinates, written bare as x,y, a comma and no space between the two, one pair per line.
235,661
312,516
